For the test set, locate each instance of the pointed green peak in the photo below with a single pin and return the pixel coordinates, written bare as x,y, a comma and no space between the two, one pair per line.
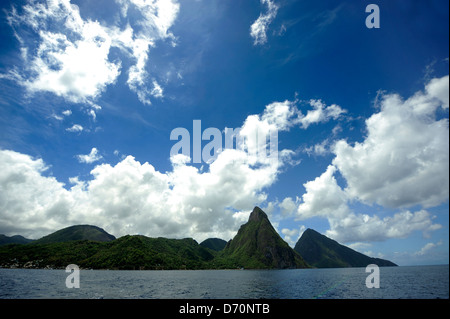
258,245
257,215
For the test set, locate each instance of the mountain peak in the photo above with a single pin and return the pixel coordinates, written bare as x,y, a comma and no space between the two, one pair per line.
258,245
77,232
322,252
257,215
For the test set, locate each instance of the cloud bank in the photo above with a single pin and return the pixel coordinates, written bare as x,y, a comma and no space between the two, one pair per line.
402,163
134,198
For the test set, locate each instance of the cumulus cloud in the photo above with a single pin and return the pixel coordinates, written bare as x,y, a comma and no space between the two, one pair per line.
287,206
30,203
282,116
156,18
92,157
132,197
363,227
259,133
320,113
404,159
73,59
258,30
157,91
323,197
438,89
291,236
76,128
319,149
402,163
428,247
57,117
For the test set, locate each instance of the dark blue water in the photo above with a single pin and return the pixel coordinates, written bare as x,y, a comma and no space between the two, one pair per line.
395,282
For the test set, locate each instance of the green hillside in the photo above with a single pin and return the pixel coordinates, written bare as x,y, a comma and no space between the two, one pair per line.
258,245
77,232
323,252
216,244
16,239
128,252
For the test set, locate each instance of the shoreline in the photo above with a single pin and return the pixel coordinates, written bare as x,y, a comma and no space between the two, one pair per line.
227,269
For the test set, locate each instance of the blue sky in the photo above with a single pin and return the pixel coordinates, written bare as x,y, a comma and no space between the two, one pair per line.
91,91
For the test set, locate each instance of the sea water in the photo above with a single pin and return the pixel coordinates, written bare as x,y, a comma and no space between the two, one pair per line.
416,282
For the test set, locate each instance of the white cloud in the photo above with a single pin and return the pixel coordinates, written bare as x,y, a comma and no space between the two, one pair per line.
291,236
92,157
258,30
319,149
75,128
157,91
281,115
72,60
259,134
402,162
93,114
157,15
137,73
323,197
438,88
132,197
404,159
57,117
362,227
31,204
320,113
288,207
427,248
429,254
157,18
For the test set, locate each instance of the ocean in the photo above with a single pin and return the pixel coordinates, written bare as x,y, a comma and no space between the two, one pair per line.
404,282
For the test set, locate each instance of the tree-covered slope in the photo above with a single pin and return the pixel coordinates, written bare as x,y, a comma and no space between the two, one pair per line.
258,245
216,244
16,239
323,252
128,252
77,232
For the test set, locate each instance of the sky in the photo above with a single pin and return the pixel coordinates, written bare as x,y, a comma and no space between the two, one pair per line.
120,114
